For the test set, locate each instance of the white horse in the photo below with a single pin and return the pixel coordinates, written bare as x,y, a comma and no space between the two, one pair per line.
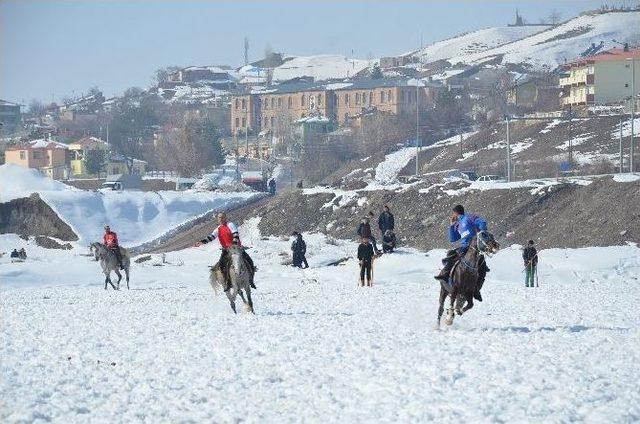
240,275
109,262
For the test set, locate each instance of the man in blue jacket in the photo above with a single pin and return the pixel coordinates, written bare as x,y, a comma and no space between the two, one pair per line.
464,227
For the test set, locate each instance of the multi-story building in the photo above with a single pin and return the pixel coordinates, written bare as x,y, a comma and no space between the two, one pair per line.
48,156
275,108
9,117
605,78
79,150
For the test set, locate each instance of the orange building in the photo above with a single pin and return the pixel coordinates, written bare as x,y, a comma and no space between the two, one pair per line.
48,156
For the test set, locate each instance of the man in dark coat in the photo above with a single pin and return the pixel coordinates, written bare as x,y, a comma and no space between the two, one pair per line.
386,220
530,257
299,250
365,258
272,187
364,231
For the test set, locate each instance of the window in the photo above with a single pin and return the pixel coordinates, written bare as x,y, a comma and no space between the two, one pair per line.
389,95
626,85
357,98
346,99
244,122
626,65
23,154
272,103
319,100
244,104
371,98
273,121
279,101
289,102
382,97
37,154
400,96
237,103
302,100
237,122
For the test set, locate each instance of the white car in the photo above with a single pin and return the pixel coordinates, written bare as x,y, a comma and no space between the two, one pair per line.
492,178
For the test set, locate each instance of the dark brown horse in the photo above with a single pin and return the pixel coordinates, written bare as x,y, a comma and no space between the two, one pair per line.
464,276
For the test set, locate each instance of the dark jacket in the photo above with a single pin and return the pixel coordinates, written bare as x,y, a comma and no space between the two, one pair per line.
386,221
365,252
530,255
299,246
364,230
389,240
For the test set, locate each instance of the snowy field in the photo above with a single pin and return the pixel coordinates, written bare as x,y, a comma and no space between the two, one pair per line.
319,349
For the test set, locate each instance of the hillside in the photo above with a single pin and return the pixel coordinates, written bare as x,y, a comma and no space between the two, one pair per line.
564,42
475,42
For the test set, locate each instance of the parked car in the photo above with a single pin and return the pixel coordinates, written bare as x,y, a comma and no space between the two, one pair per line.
493,178
465,175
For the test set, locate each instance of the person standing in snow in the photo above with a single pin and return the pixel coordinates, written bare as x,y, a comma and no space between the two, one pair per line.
272,187
364,231
110,240
464,227
299,250
365,258
386,220
530,257
227,234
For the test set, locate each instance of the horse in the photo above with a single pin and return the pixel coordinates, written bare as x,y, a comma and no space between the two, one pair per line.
109,262
464,276
239,274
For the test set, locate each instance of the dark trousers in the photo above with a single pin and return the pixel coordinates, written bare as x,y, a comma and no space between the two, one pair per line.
365,270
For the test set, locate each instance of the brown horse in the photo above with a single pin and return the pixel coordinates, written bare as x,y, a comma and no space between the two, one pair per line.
464,276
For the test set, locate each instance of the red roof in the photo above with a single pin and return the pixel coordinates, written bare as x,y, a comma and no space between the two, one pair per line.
609,55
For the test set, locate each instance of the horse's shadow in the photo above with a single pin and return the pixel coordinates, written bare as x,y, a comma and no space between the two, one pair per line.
569,328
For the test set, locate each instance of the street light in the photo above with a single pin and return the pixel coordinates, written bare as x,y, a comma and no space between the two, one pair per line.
633,109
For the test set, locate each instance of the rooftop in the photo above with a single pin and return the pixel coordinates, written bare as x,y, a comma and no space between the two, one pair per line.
606,56
39,144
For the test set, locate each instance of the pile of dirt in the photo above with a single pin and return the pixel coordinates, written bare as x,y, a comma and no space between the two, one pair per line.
565,215
33,217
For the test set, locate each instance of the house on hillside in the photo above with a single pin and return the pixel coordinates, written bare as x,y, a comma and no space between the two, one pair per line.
82,106
48,156
218,77
80,152
534,93
605,78
9,117
119,164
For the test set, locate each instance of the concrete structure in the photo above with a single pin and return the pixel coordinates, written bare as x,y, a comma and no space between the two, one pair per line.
117,164
79,151
277,108
9,117
47,156
605,78
122,182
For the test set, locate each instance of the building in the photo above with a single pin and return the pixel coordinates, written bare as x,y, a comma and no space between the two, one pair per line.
9,117
117,164
276,108
218,77
48,156
534,93
601,79
80,150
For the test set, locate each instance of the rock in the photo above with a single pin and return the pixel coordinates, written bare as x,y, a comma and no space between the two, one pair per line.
49,243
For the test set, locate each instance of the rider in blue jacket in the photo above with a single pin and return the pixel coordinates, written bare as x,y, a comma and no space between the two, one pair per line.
463,228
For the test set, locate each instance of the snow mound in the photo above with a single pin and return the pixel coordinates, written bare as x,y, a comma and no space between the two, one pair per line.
136,216
387,171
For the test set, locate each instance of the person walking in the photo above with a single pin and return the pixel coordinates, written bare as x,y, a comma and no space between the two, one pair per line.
530,257
365,258
386,221
299,250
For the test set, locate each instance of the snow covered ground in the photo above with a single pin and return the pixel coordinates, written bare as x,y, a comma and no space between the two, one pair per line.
136,216
319,348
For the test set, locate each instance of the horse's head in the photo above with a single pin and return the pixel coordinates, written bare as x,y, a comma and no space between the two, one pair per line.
487,244
235,254
95,249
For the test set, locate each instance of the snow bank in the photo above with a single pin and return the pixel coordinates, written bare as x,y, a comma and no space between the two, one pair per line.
136,216
320,67
387,171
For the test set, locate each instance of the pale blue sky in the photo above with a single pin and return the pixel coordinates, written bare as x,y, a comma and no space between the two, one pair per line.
58,48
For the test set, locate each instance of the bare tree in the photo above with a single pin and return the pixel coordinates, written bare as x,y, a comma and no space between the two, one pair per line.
554,17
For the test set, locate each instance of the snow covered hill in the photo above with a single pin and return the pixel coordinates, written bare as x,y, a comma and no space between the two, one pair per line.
475,42
136,216
320,67
564,42
319,349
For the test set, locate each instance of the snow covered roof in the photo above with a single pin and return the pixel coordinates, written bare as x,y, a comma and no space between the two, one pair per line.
319,67
7,103
609,55
39,144
89,141
313,119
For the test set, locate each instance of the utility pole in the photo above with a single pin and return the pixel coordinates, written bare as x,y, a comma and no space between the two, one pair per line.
246,50
508,152
621,156
570,139
633,112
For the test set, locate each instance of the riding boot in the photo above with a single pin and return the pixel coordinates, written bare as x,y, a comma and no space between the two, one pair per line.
446,270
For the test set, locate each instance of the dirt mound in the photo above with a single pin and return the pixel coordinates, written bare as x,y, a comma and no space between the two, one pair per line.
566,215
32,216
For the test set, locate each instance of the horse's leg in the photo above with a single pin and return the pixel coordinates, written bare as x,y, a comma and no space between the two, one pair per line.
453,295
117,271
232,301
249,300
469,304
126,273
247,304
108,280
443,296
459,303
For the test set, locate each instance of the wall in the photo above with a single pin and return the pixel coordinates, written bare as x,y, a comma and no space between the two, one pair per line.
610,80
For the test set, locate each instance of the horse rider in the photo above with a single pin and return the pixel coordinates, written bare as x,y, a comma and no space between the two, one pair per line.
227,234
464,227
110,240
